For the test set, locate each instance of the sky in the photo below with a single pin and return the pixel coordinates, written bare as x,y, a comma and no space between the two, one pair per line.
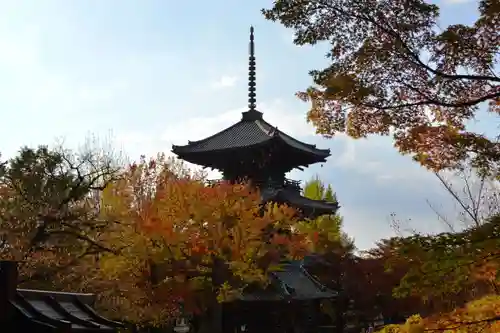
146,74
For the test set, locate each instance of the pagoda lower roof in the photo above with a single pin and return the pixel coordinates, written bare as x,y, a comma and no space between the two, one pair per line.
252,130
291,282
293,198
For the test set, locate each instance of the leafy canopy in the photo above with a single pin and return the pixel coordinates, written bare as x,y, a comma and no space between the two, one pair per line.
325,230
315,189
395,71
462,259
479,316
48,215
182,240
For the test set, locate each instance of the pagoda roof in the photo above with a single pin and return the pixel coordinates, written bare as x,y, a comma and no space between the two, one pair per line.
293,198
291,282
251,131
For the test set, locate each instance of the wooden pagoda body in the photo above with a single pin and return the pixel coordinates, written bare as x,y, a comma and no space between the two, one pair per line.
254,150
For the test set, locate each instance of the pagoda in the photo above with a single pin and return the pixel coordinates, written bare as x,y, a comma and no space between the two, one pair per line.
256,151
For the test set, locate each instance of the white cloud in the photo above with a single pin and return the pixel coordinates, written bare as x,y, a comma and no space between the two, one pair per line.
346,159
225,81
197,128
456,2
378,158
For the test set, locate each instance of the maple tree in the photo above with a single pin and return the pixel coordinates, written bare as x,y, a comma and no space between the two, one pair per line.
370,284
365,285
394,71
181,240
463,258
467,261
48,209
479,316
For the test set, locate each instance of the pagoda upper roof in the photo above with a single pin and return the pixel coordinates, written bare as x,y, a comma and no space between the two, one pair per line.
251,131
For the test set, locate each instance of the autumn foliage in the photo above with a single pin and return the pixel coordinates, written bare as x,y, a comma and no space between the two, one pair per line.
479,316
48,216
180,240
468,260
395,71
452,277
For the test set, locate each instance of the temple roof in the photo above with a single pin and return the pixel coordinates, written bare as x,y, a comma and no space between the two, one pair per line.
52,310
292,282
252,130
26,310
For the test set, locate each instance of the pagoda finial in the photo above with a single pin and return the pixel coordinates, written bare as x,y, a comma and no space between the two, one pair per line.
251,73
252,113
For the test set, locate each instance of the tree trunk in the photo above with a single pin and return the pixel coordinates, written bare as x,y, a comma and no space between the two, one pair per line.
216,317
216,307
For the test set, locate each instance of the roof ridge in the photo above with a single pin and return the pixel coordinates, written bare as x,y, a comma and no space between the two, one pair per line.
264,130
288,136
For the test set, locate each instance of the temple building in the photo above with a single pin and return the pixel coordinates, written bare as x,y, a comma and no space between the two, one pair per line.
254,150
24,310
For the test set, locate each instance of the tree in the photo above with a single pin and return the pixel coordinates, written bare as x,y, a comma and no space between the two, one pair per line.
48,209
479,316
327,228
455,254
468,262
463,258
184,241
370,284
333,246
315,189
395,71
477,196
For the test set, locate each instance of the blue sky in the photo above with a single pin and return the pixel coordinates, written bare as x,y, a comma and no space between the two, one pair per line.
151,73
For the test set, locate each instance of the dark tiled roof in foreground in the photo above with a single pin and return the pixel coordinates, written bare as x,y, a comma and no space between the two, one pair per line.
292,282
53,311
251,130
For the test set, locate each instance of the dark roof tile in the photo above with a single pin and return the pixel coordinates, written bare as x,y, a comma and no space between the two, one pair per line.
292,282
62,308
293,198
302,285
246,133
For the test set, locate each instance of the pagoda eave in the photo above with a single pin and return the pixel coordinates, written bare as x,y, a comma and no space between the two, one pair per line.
291,197
221,161
291,282
210,157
